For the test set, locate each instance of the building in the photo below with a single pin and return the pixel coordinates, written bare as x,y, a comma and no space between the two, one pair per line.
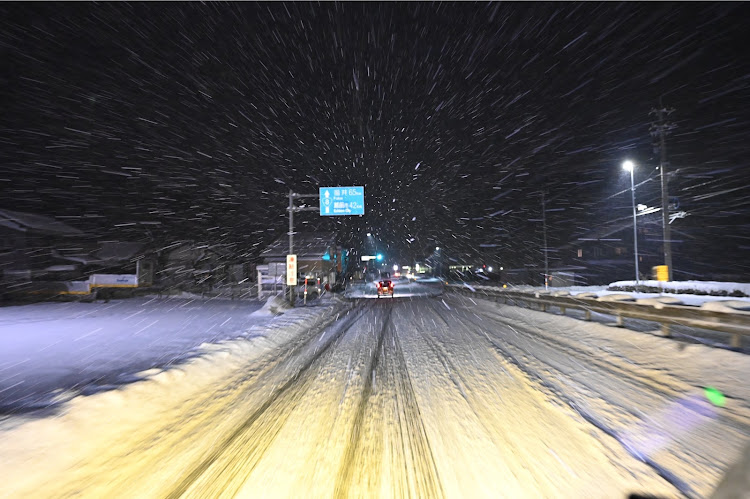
28,248
196,266
606,254
318,255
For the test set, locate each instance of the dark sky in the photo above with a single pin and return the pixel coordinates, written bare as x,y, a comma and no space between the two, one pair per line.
187,120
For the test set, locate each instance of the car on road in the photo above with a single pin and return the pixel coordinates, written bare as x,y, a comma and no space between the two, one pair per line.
385,285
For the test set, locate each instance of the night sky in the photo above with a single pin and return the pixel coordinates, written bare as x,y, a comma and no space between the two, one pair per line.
168,121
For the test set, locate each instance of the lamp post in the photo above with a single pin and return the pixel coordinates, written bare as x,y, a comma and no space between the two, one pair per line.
630,166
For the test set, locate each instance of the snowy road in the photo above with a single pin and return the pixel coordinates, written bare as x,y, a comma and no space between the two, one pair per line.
425,396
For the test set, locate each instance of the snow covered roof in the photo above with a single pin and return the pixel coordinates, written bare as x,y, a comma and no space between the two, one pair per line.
190,250
117,250
306,245
603,232
108,253
21,221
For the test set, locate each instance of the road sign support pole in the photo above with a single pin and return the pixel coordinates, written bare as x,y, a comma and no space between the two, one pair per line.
290,289
355,207
544,229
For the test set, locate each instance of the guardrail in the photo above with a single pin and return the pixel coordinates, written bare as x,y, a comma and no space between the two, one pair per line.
736,323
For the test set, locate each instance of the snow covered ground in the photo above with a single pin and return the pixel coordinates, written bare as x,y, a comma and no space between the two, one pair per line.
424,396
646,391
685,298
707,287
49,352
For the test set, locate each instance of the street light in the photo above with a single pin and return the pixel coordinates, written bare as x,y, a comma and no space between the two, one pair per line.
630,166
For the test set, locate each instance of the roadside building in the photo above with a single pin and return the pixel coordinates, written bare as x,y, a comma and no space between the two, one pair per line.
318,256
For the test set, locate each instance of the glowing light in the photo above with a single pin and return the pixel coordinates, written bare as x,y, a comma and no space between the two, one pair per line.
379,257
395,268
714,396
628,165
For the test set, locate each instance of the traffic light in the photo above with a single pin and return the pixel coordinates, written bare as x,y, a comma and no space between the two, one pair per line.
379,257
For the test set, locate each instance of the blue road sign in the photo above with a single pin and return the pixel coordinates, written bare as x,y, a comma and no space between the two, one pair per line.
342,201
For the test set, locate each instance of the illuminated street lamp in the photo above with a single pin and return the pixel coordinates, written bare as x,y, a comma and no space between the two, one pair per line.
630,166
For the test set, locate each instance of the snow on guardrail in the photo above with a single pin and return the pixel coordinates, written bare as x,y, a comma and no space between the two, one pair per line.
724,316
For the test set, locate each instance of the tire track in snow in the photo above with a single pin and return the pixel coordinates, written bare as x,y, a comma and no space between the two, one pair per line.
615,372
657,382
344,476
277,405
412,427
389,382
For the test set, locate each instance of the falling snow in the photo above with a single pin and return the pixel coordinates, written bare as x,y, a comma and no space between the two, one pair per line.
483,134
197,116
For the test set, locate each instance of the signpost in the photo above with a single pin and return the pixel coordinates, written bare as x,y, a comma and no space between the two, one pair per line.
291,270
342,201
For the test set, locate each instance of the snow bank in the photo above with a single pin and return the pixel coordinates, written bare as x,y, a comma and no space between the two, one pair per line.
91,427
50,352
428,280
275,305
646,391
645,292
713,288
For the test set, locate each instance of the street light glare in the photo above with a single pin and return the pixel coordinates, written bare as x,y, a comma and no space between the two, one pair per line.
437,248
628,165
369,235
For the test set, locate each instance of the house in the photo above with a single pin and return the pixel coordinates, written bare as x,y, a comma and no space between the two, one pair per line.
27,247
193,265
112,257
318,255
606,254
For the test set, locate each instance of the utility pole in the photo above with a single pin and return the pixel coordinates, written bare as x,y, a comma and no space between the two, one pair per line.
292,209
544,229
290,289
661,129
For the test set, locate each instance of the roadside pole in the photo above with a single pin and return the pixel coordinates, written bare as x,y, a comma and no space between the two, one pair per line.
290,289
337,201
544,229
292,283
661,128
